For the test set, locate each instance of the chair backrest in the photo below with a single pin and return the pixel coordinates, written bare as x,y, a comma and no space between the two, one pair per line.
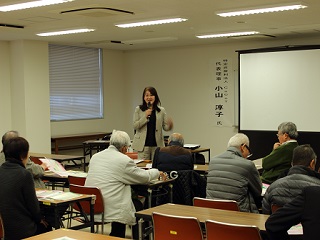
98,206
175,227
77,180
1,229
132,155
275,207
36,160
216,203
226,231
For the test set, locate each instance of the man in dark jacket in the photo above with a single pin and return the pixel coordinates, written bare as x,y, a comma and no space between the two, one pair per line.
173,157
301,175
232,177
304,208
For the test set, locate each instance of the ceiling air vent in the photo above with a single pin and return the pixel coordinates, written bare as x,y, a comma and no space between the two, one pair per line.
10,25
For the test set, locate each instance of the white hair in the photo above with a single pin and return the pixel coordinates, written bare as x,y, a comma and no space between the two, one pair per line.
120,139
238,139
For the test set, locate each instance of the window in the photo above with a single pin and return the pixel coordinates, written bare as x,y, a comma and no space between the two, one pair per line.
75,75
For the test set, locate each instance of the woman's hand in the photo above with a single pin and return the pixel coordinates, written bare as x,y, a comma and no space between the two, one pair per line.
148,112
169,123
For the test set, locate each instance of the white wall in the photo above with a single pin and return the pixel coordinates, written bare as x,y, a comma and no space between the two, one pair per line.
5,89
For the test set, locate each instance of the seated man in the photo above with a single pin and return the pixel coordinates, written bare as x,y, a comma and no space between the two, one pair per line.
232,177
304,209
301,175
36,170
278,161
174,157
113,172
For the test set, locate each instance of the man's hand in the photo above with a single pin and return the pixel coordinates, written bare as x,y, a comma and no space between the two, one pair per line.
44,222
44,166
276,145
163,176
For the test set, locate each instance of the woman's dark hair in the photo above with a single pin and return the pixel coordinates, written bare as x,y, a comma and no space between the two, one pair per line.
16,148
157,101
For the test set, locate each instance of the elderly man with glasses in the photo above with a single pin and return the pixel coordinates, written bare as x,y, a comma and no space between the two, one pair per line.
278,162
232,177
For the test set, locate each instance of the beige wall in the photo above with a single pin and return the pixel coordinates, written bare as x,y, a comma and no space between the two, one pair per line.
183,77
5,89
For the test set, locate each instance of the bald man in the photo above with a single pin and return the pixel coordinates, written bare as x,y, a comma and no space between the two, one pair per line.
174,157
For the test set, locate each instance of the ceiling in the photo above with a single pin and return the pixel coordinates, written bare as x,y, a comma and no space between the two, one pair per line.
200,14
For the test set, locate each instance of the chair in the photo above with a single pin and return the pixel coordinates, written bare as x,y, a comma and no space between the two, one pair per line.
274,207
216,203
98,206
1,229
76,180
132,155
226,231
36,160
175,227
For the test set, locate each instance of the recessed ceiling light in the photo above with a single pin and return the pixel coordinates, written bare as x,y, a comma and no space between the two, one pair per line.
32,4
227,34
153,22
269,9
65,32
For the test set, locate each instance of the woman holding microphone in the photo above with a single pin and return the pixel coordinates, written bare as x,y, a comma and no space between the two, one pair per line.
148,122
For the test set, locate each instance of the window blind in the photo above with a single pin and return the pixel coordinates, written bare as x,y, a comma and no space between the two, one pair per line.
75,76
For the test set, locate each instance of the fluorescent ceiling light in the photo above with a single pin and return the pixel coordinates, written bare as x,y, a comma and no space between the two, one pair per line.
261,10
227,34
65,32
154,22
32,4
150,40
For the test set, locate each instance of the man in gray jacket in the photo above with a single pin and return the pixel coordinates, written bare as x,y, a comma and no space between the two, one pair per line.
232,177
300,175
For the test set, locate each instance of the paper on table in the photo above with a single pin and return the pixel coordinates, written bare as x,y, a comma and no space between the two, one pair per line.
191,146
64,238
264,188
56,195
136,161
66,196
77,173
296,230
54,166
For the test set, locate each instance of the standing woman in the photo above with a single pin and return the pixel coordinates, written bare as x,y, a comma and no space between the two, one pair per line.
148,121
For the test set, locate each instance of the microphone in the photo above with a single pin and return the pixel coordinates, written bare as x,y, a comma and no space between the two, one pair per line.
149,106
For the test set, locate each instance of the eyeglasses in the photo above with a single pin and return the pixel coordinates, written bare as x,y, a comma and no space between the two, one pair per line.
250,154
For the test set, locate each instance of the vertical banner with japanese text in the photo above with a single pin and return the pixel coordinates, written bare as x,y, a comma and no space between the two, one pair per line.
222,92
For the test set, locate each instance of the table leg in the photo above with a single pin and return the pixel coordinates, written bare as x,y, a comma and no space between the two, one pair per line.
84,157
140,223
170,193
149,198
92,215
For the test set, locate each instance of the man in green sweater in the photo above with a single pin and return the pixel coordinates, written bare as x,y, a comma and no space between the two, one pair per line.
279,160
